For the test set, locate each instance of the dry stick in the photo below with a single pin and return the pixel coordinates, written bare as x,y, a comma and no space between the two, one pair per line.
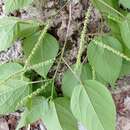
66,38
61,8
73,72
63,49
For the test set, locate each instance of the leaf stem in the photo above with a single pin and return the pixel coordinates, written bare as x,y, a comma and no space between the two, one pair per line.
93,73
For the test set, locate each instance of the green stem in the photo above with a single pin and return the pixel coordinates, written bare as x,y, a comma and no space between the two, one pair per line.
52,89
93,73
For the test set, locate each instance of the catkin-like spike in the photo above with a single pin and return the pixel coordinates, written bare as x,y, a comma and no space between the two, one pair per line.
41,64
82,38
120,54
37,45
33,94
114,18
44,63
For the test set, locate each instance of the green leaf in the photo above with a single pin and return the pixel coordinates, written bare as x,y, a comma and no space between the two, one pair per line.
105,5
34,113
93,106
9,69
107,65
64,113
125,68
11,5
70,81
125,30
55,114
11,93
115,29
50,119
12,28
47,51
11,90
125,3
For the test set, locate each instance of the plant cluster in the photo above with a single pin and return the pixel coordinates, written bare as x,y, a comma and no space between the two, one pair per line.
86,98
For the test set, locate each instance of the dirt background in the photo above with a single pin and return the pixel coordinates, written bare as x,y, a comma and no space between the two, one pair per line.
44,10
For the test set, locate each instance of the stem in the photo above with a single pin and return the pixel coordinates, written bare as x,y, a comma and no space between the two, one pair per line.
82,38
52,89
63,49
73,72
66,38
93,73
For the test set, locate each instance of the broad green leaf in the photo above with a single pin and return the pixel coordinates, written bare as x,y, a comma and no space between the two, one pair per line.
92,105
9,69
115,29
125,68
64,113
55,114
86,72
47,51
125,30
12,28
50,117
11,5
70,81
34,113
107,64
11,93
125,3
105,5
11,90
